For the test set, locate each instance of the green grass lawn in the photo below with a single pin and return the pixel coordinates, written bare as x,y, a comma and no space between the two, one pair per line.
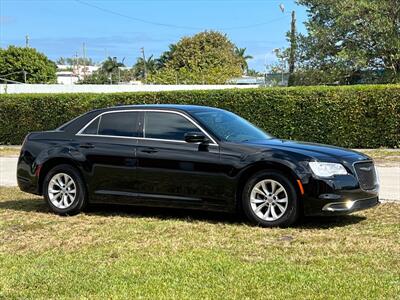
128,252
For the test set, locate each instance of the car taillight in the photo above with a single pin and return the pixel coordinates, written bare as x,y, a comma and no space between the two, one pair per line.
38,169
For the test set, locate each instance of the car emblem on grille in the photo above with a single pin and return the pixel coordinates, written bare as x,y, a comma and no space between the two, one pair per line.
366,169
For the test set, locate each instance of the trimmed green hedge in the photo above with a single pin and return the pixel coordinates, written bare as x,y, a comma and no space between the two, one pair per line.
351,116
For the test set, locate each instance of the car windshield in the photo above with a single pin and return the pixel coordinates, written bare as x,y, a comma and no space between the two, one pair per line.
229,127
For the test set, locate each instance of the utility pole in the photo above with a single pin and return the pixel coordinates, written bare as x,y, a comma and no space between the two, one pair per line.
24,73
27,41
144,65
84,50
293,46
84,59
77,64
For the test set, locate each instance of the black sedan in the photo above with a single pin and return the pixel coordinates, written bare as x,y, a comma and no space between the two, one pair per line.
192,157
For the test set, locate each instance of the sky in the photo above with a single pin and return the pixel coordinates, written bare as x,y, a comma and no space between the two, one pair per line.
59,28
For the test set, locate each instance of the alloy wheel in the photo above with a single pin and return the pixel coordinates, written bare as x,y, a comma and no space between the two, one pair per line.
62,190
269,200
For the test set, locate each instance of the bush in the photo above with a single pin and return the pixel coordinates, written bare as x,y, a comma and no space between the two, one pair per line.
353,116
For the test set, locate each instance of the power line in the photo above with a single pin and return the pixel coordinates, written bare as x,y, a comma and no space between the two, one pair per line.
24,73
172,25
9,80
133,18
17,72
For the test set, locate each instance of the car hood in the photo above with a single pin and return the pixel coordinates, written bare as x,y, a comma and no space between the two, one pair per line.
311,150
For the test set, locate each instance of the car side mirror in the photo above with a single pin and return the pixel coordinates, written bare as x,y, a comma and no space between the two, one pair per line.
195,137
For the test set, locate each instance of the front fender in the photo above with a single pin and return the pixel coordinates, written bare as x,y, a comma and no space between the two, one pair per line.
280,158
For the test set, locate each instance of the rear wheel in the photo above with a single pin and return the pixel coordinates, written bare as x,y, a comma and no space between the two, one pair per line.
270,199
64,190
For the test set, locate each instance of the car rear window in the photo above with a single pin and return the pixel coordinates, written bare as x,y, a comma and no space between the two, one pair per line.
93,127
115,124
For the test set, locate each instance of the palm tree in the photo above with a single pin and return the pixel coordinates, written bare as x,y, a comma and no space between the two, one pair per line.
111,65
165,56
151,66
240,53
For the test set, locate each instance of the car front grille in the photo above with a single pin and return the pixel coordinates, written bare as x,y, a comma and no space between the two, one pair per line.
366,175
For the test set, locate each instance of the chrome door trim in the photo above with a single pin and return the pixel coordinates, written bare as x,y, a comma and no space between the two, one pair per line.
79,133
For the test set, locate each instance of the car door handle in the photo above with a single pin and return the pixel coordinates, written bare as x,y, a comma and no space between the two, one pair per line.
86,145
149,150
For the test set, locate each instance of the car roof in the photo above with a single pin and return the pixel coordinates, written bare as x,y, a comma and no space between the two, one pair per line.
80,121
175,107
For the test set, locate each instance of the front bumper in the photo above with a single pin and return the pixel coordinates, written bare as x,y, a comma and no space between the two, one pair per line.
339,196
349,206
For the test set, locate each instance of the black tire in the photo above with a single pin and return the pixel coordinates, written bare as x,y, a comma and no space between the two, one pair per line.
80,200
291,213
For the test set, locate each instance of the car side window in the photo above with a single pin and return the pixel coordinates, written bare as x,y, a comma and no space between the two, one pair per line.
93,127
168,126
115,124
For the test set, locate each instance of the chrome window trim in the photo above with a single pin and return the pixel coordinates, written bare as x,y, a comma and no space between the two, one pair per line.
79,133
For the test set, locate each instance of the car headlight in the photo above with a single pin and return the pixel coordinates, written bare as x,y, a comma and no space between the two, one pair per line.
325,169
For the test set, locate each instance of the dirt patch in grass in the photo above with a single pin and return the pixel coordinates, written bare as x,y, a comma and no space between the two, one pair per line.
383,156
10,151
132,252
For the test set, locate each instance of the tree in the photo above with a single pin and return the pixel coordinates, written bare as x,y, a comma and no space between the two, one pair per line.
20,63
348,38
108,73
138,67
277,71
111,66
206,58
279,66
165,56
75,61
100,77
252,72
240,52
97,77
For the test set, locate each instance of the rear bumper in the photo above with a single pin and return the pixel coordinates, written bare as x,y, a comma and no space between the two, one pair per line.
26,177
27,185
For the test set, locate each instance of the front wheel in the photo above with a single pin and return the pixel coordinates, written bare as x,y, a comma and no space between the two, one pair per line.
64,190
270,199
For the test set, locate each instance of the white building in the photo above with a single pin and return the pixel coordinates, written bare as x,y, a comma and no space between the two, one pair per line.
66,77
67,74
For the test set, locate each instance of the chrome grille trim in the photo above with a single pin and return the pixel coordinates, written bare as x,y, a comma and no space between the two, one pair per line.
366,175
